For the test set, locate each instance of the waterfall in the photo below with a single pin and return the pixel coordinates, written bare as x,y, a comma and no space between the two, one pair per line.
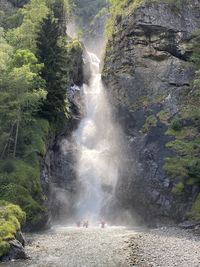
96,142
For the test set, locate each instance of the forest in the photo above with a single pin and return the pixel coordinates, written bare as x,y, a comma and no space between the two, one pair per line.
35,70
150,73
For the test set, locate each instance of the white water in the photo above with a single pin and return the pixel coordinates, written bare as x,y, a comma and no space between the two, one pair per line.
97,149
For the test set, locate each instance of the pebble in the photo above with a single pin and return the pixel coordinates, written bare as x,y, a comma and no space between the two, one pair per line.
167,247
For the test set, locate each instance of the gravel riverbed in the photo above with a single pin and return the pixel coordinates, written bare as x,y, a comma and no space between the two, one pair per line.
73,247
111,247
166,247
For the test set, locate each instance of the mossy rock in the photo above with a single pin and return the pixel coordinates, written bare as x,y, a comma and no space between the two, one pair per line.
21,186
11,220
178,189
195,211
4,247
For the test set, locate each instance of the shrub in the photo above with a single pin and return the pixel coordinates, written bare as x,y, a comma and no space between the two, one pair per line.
195,210
19,195
8,166
178,189
11,219
176,124
151,121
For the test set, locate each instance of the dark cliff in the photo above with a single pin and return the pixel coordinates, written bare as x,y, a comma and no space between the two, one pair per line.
148,74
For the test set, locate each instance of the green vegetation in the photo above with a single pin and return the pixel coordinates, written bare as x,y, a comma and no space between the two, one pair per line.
141,102
87,10
11,219
185,164
195,211
164,116
178,189
187,138
118,9
151,121
121,8
36,66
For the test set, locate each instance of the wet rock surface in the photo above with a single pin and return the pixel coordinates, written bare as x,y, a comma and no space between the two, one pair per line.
58,174
147,71
58,171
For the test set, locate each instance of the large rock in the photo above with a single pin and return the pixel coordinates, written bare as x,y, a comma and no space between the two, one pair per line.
16,252
146,71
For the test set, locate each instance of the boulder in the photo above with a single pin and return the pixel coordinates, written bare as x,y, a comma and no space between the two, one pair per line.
189,224
16,251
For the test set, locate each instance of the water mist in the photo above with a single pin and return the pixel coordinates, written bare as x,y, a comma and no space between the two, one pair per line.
97,141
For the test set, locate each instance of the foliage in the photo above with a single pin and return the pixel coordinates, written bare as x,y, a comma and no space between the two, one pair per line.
151,121
164,116
86,10
24,36
36,64
11,219
178,189
121,8
185,130
19,3
21,185
195,211
58,60
20,98
118,9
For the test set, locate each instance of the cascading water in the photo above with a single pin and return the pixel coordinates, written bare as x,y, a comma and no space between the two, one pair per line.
97,143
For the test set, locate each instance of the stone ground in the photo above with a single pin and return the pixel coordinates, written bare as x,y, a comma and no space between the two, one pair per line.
73,247
166,247
112,247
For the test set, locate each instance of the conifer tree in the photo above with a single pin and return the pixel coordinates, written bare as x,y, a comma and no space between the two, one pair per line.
52,52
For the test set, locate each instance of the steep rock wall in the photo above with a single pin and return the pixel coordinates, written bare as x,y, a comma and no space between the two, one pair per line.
58,173
147,73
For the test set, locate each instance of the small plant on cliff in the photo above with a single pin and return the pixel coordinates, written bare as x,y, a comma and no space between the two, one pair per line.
151,121
118,9
185,129
195,211
178,189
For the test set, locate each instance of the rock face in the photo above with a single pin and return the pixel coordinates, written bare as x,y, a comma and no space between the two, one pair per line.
58,174
17,250
147,73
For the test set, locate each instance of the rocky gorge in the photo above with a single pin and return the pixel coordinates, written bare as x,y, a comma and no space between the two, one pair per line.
147,72
149,79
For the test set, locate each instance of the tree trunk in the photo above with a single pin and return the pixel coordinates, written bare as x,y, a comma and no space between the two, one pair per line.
16,135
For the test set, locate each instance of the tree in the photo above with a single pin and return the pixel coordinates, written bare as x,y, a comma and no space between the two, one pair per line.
20,98
52,51
24,36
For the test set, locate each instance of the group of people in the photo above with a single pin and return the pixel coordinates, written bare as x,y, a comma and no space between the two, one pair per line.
85,224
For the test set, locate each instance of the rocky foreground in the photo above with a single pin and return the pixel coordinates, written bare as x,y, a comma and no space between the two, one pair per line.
166,247
112,247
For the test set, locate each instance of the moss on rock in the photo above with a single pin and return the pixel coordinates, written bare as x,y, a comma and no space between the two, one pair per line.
178,189
151,121
11,219
195,211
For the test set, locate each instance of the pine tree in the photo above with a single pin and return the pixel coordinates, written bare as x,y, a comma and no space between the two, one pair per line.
52,52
